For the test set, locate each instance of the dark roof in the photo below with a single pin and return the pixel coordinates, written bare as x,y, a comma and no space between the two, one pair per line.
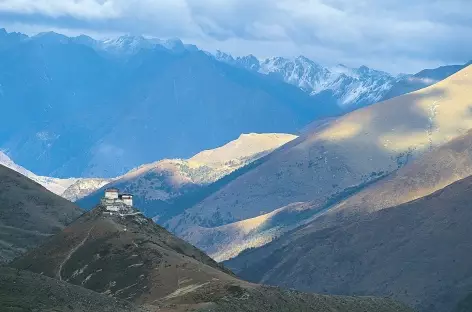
112,190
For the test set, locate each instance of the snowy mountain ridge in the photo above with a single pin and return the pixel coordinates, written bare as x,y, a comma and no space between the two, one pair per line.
71,189
352,87
124,45
57,186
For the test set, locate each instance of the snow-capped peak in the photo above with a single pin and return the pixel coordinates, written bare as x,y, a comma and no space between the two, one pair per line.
351,86
127,44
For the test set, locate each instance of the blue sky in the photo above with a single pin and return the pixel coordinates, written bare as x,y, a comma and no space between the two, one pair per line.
393,35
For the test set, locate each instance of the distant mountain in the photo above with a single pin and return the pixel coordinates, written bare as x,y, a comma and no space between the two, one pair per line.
131,258
311,174
84,187
127,45
423,79
57,186
71,188
351,87
29,214
417,252
10,39
75,111
158,185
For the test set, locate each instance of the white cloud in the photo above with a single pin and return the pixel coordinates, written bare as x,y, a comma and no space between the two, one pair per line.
88,9
396,35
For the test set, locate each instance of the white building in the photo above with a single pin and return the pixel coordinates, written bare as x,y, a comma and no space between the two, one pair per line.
116,202
127,199
111,194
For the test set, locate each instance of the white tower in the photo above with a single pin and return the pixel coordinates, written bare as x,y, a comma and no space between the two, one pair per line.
127,199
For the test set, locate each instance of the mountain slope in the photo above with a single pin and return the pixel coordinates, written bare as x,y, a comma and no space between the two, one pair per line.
417,252
423,176
155,186
432,172
28,214
130,257
328,165
26,291
23,290
148,106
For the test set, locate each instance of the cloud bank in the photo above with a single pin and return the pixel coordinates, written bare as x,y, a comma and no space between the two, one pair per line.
394,35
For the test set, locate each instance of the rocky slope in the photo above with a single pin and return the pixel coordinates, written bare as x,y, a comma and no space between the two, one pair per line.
130,257
416,252
155,186
321,168
29,214
159,93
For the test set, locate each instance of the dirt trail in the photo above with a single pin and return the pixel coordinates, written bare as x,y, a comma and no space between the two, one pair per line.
59,271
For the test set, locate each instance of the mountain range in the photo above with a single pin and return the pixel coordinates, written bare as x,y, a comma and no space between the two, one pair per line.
359,199
125,262
90,105
76,111
396,235
257,203
309,175
351,87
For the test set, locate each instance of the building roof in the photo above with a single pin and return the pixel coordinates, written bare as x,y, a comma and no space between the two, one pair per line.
126,195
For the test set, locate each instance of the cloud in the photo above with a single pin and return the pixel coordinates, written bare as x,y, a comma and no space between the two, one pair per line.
87,9
396,35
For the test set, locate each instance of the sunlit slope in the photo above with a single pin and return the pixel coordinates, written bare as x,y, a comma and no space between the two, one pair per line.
326,165
429,173
156,185
433,171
